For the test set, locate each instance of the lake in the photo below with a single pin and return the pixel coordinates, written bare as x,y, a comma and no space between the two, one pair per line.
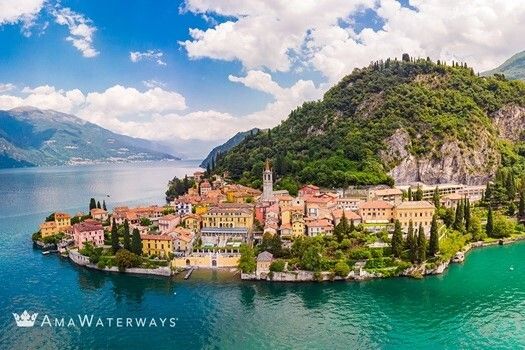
480,304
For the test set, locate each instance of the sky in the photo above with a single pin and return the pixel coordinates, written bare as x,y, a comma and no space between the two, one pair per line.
193,73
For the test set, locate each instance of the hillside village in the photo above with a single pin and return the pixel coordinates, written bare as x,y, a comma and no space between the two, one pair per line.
211,222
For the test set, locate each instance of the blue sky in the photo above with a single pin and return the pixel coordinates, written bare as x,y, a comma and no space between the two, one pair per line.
205,69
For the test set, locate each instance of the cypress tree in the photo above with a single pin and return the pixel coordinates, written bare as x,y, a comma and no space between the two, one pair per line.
136,243
419,194
98,205
488,194
436,198
127,237
114,237
341,229
458,222
409,195
421,245
411,243
521,208
92,204
104,205
352,226
433,246
397,240
467,214
489,228
510,186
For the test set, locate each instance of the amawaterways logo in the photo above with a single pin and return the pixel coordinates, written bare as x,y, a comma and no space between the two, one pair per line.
27,320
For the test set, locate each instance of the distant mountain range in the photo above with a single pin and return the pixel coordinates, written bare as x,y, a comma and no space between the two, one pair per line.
513,68
34,137
228,145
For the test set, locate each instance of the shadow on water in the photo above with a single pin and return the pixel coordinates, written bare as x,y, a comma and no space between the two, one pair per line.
125,287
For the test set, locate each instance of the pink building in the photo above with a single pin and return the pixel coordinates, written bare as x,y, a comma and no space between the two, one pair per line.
88,231
168,222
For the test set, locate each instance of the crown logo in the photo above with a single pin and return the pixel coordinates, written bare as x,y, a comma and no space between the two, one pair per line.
25,319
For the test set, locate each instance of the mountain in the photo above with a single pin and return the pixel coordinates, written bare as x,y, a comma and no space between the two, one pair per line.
513,68
33,137
393,121
234,141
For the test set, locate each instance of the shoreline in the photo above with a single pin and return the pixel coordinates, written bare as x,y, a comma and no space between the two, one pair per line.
415,271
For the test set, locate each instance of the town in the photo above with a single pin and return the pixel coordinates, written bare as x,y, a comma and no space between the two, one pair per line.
318,234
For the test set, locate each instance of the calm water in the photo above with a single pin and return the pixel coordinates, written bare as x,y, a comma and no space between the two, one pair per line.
480,304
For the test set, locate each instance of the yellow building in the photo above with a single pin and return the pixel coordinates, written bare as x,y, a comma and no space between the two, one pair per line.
376,212
191,222
298,225
231,216
48,228
420,212
208,260
63,221
158,245
239,197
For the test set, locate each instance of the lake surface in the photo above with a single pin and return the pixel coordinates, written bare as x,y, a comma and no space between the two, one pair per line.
480,304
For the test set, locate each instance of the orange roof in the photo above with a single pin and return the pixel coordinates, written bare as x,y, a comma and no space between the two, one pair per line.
388,192
62,216
313,187
319,223
350,215
415,205
97,211
169,217
156,237
375,205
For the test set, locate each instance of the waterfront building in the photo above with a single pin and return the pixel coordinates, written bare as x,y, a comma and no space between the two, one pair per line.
182,239
264,260
48,228
419,212
88,231
168,222
99,214
376,212
63,221
298,224
209,259
158,245
229,215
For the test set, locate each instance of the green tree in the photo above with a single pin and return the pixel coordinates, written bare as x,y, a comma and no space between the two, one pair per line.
411,243
277,265
247,263
467,214
433,246
98,205
449,217
511,209
115,246
409,194
136,242
352,226
126,259
489,228
145,222
342,229
92,204
127,237
510,186
311,258
458,221
435,198
503,227
475,229
397,240
521,206
104,205
341,269
421,245
419,194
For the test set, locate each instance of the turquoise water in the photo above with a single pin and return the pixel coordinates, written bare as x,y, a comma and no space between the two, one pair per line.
476,305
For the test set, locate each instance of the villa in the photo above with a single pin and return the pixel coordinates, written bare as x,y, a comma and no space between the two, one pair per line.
168,222
158,245
88,231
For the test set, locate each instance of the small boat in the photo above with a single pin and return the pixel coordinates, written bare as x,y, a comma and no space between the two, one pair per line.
45,252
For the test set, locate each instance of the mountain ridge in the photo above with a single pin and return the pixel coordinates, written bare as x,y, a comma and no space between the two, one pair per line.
393,121
513,68
33,137
226,146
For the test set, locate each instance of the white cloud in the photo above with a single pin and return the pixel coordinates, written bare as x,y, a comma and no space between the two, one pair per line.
19,11
81,30
4,87
151,83
150,55
277,35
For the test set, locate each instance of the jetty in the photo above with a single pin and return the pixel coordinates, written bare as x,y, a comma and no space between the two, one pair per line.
188,274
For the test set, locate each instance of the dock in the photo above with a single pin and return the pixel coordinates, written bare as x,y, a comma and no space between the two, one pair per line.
188,274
